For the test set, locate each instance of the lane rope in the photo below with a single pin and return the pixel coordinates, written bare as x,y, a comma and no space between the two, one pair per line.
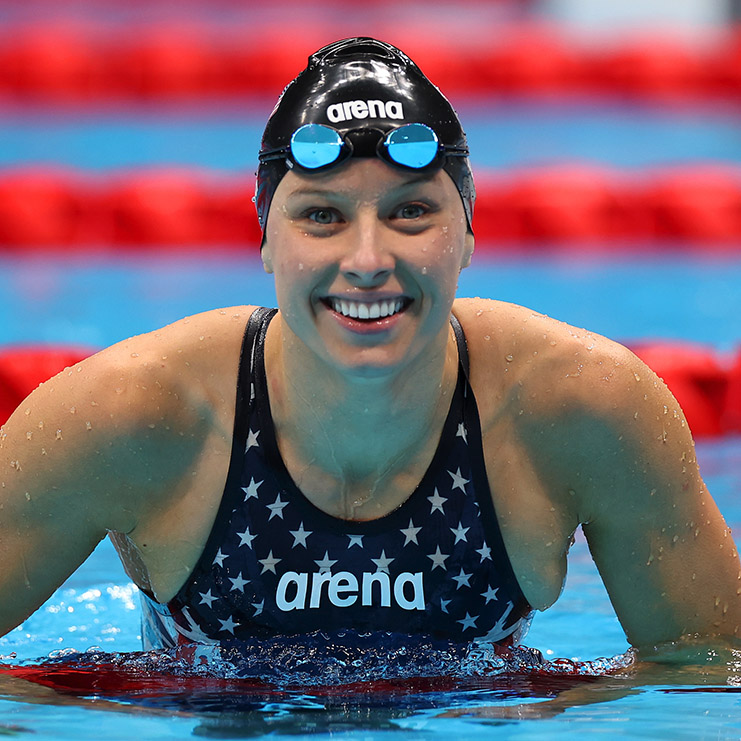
583,206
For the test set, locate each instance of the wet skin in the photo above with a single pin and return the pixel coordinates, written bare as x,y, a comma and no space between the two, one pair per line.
576,430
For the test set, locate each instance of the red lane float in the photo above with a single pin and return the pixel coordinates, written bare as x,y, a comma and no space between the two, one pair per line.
707,387
569,205
732,412
22,369
77,62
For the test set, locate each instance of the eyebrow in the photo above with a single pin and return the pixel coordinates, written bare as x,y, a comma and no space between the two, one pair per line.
304,190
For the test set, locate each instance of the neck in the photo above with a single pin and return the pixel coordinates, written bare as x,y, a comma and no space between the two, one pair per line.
355,443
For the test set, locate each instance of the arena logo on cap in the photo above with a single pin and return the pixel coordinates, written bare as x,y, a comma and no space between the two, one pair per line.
350,109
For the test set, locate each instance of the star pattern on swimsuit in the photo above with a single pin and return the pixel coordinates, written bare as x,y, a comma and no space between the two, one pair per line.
468,621
207,598
490,594
355,540
269,563
228,624
300,536
410,533
238,582
438,559
326,563
252,440
383,562
437,502
250,491
460,532
276,508
220,557
462,432
462,579
246,538
484,552
459,482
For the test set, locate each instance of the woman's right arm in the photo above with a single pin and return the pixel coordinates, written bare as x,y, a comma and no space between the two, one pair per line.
92,450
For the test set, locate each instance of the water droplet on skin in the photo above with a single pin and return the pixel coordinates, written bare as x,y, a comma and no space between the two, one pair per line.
27,412
29,435
151,426
41,425
300,266
134,354
552,343
28,496
119,390
88,426
637,377
424,270
222,312
72,410
572,493
509,358
479,312
635,416
487,337
58,435
201,338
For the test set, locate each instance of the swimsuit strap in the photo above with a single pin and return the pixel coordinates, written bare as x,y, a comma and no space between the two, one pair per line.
460,339
259,318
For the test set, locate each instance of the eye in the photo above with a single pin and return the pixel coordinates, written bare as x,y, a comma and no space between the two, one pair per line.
411,211
323,216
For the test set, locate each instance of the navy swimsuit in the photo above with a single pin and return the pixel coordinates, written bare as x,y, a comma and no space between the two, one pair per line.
275,564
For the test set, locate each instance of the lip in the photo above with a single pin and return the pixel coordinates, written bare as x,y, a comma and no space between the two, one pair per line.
368,325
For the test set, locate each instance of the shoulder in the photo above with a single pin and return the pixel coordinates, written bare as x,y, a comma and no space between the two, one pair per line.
184,357
140,411
546,366
564,392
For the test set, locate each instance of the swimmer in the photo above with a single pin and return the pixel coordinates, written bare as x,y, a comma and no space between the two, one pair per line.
377,454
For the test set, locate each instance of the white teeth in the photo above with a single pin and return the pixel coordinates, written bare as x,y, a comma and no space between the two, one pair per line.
376,310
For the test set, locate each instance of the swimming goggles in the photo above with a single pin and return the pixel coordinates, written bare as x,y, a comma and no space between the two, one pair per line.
315,147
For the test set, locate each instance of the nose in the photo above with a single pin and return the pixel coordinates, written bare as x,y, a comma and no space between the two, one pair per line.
368,262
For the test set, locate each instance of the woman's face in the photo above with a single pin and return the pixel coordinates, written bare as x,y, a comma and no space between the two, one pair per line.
366,261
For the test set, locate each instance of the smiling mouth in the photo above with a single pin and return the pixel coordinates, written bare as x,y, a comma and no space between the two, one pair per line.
368,311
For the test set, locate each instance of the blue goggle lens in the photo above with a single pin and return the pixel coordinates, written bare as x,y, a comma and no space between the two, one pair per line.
314,146
414,145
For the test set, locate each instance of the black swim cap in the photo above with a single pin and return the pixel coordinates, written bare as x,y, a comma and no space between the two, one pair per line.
358,84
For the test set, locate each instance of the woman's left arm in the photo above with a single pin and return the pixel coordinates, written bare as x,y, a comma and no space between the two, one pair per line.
663,549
